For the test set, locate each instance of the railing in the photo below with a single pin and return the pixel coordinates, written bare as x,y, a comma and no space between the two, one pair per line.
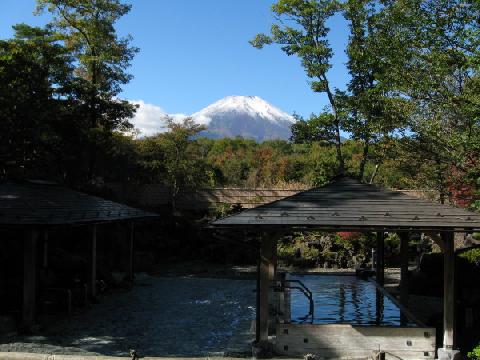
286,284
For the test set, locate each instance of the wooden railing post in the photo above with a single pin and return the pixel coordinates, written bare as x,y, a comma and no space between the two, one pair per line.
380,275
92,263
131,252
404,238
448,248
29,278
265,277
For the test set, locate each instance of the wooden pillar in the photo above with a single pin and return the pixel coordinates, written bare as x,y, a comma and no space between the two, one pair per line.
131,252
448,289
29,278
257,304
404,238
92,263
45,250
266,268
274,259
380,276
379,306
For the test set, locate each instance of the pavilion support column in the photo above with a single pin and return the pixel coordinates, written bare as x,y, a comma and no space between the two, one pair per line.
266,273
448,352
404,237
380,275
45,250
29,278
92,263
131,252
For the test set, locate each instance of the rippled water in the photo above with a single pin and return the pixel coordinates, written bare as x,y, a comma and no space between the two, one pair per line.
343,299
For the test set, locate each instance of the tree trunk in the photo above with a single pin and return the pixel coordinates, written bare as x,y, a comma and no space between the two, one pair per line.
338,140
93,121
338,146
364,159
374,174
441,181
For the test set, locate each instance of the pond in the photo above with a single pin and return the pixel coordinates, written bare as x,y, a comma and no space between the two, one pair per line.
344,299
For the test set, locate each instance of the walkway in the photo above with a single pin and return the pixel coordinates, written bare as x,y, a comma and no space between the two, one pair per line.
171,316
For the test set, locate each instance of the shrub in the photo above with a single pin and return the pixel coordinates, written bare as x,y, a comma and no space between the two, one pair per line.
472,256
475,353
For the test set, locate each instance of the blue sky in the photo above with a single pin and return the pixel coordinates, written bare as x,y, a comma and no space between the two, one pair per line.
193,53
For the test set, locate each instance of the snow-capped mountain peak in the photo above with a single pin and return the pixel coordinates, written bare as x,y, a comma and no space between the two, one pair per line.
246,116
252,106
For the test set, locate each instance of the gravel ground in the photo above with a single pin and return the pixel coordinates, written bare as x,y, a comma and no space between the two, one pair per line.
174,316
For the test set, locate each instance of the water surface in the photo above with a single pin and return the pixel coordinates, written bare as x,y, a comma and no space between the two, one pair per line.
341,299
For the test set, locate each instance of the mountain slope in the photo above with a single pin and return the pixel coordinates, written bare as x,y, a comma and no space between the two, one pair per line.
246,116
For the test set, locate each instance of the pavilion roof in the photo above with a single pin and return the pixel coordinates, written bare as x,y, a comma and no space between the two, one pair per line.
347,204
29,204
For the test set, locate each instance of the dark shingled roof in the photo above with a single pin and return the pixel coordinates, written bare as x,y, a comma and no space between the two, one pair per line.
47,205
347,204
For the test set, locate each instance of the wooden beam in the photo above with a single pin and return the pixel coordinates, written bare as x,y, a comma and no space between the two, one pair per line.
380,276
92,263
29,278
131,252
266,276
448,289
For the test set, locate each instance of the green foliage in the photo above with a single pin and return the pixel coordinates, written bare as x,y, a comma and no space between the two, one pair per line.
35,77
86,30
309,249
317,128
475,353
173,158
301,30
472,256
224,209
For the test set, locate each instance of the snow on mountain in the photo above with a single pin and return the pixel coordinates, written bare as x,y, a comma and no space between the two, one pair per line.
246,116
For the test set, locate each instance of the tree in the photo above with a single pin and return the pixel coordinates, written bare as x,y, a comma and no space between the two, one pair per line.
301,30
317,128
86,28
35,79
173,157
375,109
435,67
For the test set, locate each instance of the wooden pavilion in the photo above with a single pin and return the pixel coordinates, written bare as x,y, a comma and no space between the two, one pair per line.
33,210
349,205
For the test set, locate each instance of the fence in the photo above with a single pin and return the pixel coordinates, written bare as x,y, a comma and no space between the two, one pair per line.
155,195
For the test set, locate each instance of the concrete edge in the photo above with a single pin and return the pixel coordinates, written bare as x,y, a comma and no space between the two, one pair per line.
37,356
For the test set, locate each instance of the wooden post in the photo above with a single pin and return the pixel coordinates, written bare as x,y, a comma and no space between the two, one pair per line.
404,237
29,278
266,274
380,276
131,253
257,304
274,259
45,250
448,289
379,306
92,264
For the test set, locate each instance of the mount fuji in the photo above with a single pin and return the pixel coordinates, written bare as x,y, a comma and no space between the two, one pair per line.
246,116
